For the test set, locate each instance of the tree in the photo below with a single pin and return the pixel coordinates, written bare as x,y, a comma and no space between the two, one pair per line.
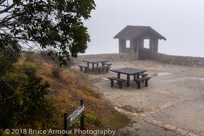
46,24
35,107
8,55
9,104
23,98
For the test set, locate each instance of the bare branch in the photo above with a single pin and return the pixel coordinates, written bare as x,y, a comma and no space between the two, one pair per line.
2,1
7,9
6,19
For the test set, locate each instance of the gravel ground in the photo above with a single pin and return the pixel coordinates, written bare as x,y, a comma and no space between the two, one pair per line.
181,85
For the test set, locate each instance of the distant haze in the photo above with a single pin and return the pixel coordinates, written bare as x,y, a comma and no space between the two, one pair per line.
180,21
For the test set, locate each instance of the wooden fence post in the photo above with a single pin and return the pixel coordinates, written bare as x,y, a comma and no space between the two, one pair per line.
65,123
82,118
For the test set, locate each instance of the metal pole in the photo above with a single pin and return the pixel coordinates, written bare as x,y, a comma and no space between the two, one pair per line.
65,123
82,118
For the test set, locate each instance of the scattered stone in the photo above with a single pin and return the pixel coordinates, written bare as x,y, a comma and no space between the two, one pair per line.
154,122
157,109
162,108
136,115
106,79
167,105
143,115
129,114
148,120
157,123
128,108
152,112
181,131
147,114
169,127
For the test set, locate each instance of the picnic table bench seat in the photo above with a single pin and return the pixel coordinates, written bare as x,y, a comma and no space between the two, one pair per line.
83,68
103,68
108,64
143,74
106,68
120,81
139,80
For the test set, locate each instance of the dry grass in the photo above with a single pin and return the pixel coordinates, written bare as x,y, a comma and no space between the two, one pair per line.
66,93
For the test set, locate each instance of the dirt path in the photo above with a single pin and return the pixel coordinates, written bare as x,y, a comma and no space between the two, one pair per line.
172,105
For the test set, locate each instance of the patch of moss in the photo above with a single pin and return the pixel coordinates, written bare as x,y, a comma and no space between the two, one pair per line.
92,119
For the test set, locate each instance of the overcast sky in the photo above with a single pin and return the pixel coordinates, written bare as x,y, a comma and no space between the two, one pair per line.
180,21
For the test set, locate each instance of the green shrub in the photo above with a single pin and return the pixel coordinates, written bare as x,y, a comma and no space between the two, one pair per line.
19,74
15,79
28,69
7,57
35,108
9,105
56,71
4,64
23,101
27,106
10,53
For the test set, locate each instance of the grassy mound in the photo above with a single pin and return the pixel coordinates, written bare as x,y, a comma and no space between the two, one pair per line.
68,89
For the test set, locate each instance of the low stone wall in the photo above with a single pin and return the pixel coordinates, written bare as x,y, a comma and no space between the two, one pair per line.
178,60
169,59
109,57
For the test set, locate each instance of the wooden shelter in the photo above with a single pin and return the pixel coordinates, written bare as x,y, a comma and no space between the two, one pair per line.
136,35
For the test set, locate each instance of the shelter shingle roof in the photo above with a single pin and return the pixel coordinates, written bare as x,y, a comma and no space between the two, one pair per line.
130,32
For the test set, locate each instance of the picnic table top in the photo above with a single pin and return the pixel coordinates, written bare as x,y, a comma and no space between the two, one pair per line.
93,60
128,70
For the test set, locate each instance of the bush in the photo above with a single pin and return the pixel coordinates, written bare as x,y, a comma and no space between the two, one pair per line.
28,69
19,74
4,64
8,56
27,106
10,53
56,71
9,105
15,79
36,109
23,101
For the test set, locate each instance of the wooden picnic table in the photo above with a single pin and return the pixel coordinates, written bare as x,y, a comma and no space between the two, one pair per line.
94,61
128,71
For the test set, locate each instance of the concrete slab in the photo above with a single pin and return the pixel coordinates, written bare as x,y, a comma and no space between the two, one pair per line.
175,99
187,115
